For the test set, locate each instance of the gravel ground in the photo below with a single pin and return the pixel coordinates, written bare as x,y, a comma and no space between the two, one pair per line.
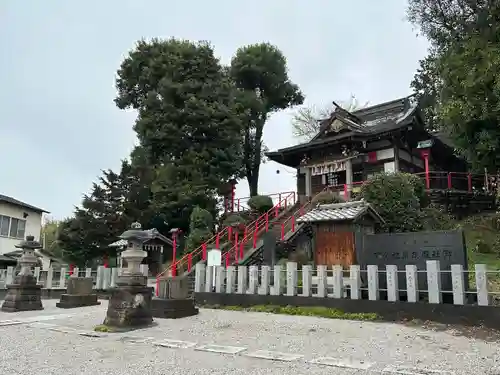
31,347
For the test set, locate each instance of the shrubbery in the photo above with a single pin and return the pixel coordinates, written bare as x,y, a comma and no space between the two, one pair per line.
200,228
401,200
260,203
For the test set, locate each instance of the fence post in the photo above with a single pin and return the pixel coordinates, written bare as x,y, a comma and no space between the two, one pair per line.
411,282
209,279
392,283
62,278
199,277
219,279
230,273
144,269
76,272
253,279
264,280
99,276
322,281
50,277
355,281
36,274
457,280
114,277
88,272
276,289
291,279
373,290
482,285
242,280
9,278
338,282
306,280
433,281
106,278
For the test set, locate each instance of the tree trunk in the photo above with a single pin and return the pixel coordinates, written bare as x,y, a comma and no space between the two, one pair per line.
253,184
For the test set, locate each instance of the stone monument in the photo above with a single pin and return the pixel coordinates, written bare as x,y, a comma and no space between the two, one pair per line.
130,302
269,248
174,301
24,294
78,294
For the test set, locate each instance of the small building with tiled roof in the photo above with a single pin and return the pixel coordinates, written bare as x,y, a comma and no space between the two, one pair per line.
18,220
335,227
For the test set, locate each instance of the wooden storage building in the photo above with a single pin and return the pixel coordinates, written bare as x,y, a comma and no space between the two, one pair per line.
335,226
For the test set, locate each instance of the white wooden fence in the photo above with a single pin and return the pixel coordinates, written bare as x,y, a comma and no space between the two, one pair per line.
104,278
257,280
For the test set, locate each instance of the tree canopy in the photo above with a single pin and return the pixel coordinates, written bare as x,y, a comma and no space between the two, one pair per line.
260,72
458,83
199,125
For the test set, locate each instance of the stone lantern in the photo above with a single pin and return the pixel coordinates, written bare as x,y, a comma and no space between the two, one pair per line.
24,294
130,302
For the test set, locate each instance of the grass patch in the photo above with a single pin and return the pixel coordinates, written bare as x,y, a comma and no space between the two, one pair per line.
319,311
104,328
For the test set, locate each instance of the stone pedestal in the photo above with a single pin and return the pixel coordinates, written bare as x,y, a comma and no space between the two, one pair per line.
130,307
79,294
174,301
24,294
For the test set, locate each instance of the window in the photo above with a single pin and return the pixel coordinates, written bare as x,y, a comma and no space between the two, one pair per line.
17,228
11,227
4,225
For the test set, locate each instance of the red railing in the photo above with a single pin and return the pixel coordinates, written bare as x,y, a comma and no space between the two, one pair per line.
252,230
241,204
285,200
457,181
237,251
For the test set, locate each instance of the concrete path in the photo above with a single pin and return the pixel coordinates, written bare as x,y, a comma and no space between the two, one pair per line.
57,341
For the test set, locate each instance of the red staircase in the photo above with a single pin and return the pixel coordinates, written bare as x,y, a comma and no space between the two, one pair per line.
283,223
285,200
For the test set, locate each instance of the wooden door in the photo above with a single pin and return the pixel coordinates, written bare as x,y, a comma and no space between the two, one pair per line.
334,247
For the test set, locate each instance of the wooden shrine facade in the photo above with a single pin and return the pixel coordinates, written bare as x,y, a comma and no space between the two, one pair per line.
389,137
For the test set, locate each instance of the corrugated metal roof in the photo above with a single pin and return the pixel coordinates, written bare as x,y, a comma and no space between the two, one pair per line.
347,211
6,199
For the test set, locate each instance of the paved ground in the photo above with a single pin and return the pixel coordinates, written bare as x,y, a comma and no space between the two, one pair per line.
57,341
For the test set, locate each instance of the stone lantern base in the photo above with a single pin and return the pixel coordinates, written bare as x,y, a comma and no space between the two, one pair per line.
129,307
174,301
23,295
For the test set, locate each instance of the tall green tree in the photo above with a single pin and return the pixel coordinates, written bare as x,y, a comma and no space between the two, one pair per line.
260,72
306,121
114,203
189,124
459,81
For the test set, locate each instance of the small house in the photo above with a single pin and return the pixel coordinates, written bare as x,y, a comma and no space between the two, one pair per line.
335,227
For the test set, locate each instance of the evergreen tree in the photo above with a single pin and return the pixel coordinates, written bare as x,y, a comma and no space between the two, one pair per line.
260,73
458,82
188,125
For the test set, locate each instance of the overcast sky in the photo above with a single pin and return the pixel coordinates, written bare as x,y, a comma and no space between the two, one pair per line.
59,126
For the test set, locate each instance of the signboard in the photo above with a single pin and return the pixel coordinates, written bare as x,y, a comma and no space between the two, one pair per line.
425,144
327,168
269,248
214,258
401,249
